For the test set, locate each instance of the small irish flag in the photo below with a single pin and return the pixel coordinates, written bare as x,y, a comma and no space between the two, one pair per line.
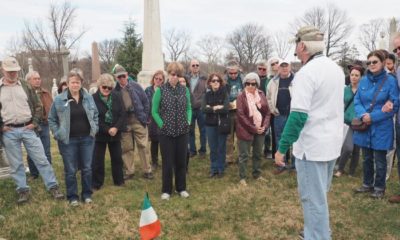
150,226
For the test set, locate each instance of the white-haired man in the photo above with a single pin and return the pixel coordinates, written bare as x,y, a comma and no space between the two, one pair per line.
316,114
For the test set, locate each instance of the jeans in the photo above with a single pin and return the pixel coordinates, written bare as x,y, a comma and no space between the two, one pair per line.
44,135
199,115
379,156
217,145
12,140
314,180
244,155
78,152
398,146
279,125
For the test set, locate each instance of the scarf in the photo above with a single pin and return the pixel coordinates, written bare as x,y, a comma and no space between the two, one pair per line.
108,101
254,103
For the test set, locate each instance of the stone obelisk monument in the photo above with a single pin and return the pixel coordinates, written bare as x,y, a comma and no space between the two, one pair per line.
152,58
392,31
95,62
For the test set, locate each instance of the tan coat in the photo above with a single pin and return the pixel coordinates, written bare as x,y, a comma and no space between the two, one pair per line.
272,94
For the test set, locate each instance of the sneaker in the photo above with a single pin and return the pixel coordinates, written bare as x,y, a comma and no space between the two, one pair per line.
165,196
88,200
377,194
148,175
243,182
55,192
394,199
23,197
74,203
364,189
184,194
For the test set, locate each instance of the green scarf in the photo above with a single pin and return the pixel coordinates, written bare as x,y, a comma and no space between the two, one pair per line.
108,102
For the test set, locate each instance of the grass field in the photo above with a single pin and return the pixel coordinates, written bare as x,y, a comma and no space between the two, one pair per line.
216,209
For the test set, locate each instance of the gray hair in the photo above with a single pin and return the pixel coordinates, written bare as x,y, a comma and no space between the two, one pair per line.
106,79
76,72
251,76
313,47
30,74
263,63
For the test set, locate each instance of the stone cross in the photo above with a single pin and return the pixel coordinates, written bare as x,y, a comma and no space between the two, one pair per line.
152,58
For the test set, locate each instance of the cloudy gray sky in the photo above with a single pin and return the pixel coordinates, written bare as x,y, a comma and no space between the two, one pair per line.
104,19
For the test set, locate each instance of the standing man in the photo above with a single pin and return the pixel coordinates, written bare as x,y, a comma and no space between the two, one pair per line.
197,86
235,86
34,80
316,114
396,50
138,109
20,114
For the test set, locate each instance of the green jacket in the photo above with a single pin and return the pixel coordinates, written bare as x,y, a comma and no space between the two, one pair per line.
349,113
34,104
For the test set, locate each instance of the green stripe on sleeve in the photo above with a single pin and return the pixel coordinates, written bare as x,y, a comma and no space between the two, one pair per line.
291,132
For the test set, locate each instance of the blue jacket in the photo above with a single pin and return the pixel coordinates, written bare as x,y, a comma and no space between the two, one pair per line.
141,105
379,135
59,116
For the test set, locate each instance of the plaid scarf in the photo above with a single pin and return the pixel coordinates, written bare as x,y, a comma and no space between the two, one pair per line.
108,102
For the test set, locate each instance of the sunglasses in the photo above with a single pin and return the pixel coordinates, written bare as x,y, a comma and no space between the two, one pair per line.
273,64
121,76
107,88
251,84
396,49
215,80
262,69
158,79
372,62
195,65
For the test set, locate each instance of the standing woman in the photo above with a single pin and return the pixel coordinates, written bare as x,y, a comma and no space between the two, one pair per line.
172,111
215,105
375,89
73,120
253,119
112,120
348,146
156,81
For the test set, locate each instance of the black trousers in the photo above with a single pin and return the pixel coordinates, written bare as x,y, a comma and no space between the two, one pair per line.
173,153
154,151
98,173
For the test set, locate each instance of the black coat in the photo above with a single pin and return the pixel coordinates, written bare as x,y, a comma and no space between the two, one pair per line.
118,120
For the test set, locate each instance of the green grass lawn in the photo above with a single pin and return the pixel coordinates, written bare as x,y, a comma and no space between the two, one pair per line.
216,209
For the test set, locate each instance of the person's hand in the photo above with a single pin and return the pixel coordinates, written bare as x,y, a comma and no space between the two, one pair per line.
5,129
217,107
279,159
30,126
112,131
366,118
260,130
388,107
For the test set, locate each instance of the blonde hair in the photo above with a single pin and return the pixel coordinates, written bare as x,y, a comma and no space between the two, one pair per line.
75,72
106,79
175,67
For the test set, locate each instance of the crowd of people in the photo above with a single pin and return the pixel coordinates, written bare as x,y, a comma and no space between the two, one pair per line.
299,117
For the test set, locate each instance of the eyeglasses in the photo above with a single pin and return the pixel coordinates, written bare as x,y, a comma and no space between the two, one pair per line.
273,64
215,80
121,76
262,69
396,49
251,84
232,73
372,62
195,65
107,88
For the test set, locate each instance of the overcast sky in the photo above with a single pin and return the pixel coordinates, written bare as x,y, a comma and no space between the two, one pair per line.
104,19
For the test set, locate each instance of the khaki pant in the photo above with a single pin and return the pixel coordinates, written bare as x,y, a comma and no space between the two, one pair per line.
138,134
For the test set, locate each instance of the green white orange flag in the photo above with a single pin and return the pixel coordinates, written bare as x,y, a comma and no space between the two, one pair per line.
150,226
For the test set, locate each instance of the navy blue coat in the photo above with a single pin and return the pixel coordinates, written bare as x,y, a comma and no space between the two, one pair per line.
379,135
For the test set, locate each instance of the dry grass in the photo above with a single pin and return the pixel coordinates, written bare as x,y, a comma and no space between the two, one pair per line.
216,209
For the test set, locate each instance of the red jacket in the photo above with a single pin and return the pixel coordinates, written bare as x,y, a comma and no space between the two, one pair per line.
245,128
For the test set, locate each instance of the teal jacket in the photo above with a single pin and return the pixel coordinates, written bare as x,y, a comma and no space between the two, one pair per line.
349,113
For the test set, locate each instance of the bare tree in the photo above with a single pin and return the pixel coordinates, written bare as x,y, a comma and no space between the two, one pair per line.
107,52
177,43
210,47
281,44
369,33
347,55
333,21
249,43
43,39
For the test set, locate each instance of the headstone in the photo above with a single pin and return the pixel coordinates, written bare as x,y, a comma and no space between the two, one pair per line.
392,31
54,88
382,43
152,58
95,62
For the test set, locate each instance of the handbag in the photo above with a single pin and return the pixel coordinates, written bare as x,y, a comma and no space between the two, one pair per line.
224,124
356,123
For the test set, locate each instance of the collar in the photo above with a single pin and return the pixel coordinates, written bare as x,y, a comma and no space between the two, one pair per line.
2,82
315,55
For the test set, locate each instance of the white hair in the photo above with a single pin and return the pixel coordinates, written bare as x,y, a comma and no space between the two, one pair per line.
30,74
313,47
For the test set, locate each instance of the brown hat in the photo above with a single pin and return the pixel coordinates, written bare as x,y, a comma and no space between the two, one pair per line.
119,70
10,64
308,34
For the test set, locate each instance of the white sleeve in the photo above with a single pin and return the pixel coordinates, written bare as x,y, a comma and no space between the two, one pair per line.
303,92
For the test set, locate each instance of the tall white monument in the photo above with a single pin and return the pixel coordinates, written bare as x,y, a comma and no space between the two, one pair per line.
152,58
392,31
